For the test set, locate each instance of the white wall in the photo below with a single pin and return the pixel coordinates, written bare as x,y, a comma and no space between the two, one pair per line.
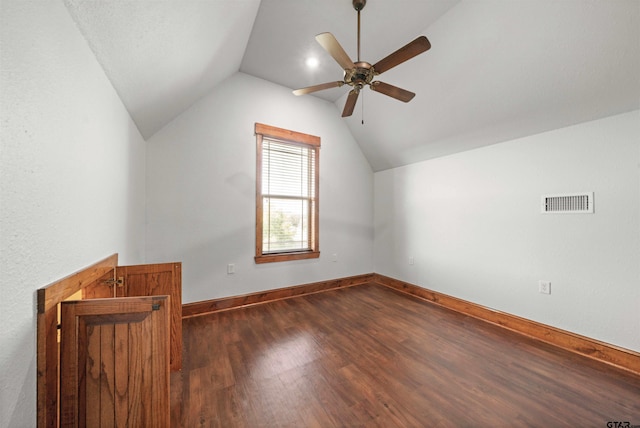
201,191
472,222
72,177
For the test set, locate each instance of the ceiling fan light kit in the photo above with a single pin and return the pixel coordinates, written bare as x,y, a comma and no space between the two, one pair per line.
358,74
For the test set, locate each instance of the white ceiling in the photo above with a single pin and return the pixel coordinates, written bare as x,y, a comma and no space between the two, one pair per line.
497,69
163,55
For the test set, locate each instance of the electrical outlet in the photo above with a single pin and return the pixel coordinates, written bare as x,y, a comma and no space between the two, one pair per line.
334,257
544,287
231,268
411,260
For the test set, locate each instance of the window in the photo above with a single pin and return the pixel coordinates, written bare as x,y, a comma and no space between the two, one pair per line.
286,195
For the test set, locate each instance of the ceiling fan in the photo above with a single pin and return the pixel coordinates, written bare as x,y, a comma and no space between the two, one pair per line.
360,73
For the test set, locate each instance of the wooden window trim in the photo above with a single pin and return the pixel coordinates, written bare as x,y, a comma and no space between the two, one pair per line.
286,135
285,257
267,131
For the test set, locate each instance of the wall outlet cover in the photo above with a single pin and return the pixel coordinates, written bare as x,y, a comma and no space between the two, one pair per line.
544,287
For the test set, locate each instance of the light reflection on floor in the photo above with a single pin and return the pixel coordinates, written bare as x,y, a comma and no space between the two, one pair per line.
289,353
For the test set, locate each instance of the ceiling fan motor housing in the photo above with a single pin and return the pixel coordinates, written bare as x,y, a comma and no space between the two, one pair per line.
361,74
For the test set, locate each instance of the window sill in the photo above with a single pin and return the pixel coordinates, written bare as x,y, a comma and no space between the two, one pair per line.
285,257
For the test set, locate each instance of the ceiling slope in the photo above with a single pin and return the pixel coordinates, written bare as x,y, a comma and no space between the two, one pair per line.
500,70
497,69
162,55
283,36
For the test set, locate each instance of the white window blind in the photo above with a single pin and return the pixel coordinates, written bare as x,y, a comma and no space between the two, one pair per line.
288,196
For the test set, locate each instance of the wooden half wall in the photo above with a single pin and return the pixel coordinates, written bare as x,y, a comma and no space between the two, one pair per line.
48,362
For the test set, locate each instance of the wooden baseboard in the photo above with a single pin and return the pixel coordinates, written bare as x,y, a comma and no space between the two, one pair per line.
604,352
610,354
225,303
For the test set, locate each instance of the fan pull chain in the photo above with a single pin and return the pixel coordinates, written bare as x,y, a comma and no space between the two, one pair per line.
362,106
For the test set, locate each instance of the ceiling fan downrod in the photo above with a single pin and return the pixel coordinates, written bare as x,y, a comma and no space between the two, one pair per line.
358,5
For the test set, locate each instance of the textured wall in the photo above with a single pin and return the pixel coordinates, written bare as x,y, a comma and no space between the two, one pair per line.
201,191
71,179
472,223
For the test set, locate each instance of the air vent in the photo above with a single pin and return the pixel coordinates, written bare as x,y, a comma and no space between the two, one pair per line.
575,203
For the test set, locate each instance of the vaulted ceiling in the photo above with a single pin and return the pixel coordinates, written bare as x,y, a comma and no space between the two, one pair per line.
497,69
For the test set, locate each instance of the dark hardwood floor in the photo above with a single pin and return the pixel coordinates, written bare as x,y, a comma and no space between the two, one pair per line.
370,356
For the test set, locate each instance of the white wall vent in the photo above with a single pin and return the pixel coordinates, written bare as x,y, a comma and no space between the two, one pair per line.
577,203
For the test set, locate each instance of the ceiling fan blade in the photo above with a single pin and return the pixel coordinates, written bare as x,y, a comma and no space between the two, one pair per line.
351,103
392,91
321,87
331,45
416,47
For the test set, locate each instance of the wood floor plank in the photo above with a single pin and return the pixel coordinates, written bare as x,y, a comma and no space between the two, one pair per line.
370,356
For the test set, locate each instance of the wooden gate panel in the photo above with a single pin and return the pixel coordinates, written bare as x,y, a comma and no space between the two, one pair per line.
101,288
48,350
154,280
95,282
121,381
115,370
